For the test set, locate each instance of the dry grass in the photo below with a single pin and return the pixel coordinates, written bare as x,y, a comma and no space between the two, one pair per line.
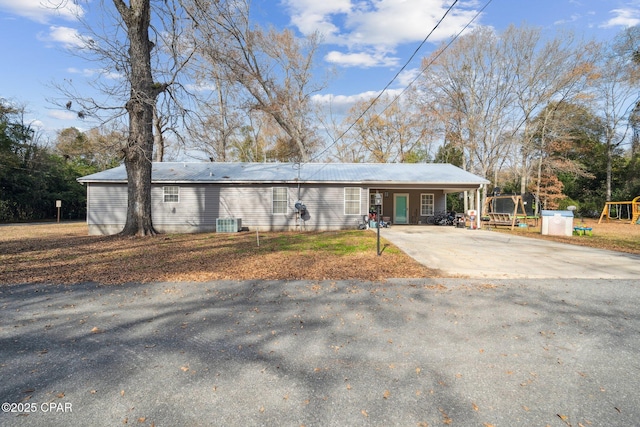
64,253
613,235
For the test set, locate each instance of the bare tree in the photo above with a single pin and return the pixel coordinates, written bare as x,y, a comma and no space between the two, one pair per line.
546,71
219,124
486,89
627,45
389,131
274,68
616,96
132,50
471,92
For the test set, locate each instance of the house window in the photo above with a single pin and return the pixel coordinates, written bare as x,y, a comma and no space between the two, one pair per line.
280,203
171,194
426,204
352,200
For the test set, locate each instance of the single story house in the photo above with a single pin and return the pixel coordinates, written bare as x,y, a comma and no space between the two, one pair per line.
194,197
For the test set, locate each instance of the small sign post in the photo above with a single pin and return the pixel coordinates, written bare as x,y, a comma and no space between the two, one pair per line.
58,205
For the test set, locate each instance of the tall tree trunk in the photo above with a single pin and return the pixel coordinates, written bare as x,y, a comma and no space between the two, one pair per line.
158,138
634,120
139,150
609,170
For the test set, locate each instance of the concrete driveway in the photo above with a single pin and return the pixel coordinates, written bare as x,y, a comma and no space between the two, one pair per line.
462,252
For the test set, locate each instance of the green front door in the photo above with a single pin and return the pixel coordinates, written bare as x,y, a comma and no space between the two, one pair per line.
400,208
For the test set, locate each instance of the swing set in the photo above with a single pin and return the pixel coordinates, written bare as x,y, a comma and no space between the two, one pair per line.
629,211
510,217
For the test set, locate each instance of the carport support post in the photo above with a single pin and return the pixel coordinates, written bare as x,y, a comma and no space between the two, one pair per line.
378,198
378,225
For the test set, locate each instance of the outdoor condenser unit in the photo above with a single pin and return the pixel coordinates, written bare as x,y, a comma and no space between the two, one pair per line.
228,225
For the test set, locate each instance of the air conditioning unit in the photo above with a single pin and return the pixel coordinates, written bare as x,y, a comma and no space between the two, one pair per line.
228,225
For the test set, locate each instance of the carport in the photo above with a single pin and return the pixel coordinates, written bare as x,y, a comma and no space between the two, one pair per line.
410,199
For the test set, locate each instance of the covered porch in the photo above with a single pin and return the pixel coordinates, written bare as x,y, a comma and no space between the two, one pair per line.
415,205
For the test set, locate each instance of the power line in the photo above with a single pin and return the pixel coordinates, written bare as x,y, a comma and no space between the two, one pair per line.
371,104
438,54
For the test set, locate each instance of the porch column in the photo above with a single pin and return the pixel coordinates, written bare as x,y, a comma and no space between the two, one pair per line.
479,213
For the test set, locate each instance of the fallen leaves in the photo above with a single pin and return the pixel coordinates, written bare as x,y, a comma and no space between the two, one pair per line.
564,418
445,418
67,255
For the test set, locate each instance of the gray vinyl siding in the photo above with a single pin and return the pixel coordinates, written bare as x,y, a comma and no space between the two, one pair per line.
325,205
192,211
253,204
106,208
200,205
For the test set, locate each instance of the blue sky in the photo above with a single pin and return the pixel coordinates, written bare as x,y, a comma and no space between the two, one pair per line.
366,41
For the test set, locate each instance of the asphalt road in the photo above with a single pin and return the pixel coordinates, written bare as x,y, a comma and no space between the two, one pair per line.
486,350
461,352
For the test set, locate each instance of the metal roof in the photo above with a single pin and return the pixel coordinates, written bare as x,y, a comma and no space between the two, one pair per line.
354,173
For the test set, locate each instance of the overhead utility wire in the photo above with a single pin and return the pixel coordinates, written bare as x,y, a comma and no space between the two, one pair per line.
438,55
403,68
391,81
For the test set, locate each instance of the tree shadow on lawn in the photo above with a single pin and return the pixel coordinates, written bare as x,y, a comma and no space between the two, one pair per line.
197,257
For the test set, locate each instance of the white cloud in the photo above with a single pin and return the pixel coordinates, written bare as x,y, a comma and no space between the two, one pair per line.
62,115
573,18
387,22
360,59
85,72
626,17
378,26
348,100
38,124
408,76
70,38
43,10
312,15
92,72
343,100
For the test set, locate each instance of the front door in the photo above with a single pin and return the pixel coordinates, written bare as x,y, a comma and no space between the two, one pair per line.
401,209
